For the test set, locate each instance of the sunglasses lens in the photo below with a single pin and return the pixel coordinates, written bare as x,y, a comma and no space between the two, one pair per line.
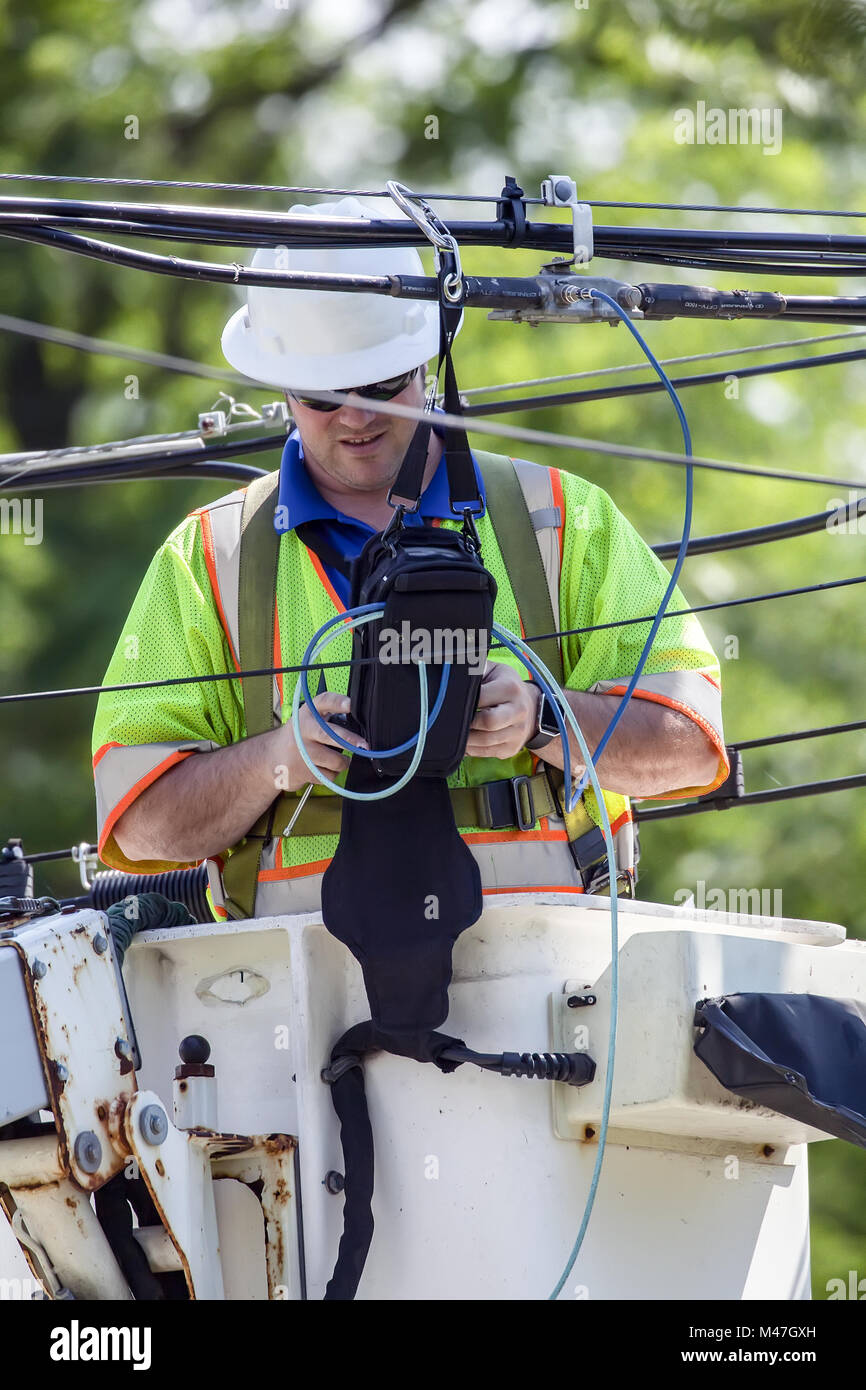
309,404
379,391
386,390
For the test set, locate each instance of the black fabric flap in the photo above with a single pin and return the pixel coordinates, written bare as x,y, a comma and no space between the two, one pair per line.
802,1055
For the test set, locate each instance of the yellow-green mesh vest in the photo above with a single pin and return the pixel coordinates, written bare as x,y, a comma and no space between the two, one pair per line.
304,604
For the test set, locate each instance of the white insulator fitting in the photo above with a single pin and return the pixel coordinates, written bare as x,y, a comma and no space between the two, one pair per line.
195,1102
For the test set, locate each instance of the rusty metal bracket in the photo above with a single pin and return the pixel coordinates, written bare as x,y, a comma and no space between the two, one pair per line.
267,1167
175,1165
179,1168
82,1033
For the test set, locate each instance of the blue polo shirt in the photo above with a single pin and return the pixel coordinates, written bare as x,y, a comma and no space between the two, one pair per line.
302,501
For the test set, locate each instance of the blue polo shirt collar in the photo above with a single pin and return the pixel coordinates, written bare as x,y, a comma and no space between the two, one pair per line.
299,499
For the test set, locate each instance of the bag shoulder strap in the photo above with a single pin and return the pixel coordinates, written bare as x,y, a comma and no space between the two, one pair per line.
521,507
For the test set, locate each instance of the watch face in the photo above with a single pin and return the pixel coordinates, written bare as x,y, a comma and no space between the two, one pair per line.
547,720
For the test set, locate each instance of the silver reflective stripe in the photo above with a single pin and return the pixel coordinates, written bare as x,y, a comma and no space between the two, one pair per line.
537,492
699,697
624,848
301,893
284,895
215,883
121,769
536,864
225,524
546,516
225,521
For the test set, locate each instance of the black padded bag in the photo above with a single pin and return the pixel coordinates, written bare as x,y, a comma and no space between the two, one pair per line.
430,581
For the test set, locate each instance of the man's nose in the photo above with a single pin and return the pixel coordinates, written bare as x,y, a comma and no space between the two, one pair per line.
355,417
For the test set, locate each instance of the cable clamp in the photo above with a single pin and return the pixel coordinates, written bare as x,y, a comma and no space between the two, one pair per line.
734,785
87,859
335,1070
560,191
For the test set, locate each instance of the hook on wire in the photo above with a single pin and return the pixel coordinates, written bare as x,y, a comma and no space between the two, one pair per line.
441,239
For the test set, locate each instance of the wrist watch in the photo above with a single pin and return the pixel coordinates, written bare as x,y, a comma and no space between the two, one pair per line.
546,727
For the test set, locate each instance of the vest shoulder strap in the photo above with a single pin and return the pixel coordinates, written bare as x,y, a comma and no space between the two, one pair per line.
257,597
520,504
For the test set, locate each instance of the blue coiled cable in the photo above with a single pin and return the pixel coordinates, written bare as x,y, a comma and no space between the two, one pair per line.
352,618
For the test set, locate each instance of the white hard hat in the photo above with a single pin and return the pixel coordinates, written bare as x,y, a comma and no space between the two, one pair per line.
322,340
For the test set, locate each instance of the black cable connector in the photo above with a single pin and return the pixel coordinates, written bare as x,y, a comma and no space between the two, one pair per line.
573,1068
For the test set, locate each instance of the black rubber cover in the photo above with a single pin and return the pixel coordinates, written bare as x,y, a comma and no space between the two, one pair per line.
799,1054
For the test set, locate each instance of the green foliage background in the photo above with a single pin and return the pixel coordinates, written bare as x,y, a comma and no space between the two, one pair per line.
330,94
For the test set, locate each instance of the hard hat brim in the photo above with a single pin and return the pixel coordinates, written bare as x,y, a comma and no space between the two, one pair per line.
300,372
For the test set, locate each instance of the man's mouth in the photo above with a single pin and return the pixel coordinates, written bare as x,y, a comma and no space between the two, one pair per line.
360,443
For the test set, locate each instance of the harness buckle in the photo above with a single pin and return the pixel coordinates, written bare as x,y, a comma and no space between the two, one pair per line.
519,786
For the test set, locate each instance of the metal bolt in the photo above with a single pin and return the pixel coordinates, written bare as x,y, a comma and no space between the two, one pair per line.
629,297
580,1001
39,969
123,1050
153,1123
87,1151
61,1071
334,1182
100,945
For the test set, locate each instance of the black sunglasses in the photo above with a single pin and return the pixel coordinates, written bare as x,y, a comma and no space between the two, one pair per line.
379,391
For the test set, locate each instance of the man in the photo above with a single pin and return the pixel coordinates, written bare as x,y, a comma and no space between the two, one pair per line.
179,779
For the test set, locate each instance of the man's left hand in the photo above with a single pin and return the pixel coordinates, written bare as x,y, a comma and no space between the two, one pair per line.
506,716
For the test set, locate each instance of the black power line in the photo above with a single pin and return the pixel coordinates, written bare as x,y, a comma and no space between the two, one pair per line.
691,808
643,388
430,197
325,665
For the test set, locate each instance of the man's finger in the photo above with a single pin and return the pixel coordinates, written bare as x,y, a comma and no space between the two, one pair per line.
479,741
330,760
332,702
479,747
314,733
495,717
490,693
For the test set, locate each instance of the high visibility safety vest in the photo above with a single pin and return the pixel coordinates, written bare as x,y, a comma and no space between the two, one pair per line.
271,594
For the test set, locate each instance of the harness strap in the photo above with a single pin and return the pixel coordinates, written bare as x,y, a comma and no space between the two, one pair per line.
516,532
257,597
510,803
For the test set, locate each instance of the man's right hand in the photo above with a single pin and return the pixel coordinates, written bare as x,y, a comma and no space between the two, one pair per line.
324,752
210,800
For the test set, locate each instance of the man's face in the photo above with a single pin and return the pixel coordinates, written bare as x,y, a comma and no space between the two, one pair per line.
354,446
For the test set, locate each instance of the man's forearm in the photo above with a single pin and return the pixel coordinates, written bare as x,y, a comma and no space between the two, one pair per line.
206,802
652,751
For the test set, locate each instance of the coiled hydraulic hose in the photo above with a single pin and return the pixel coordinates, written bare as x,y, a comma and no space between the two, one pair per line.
187,886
